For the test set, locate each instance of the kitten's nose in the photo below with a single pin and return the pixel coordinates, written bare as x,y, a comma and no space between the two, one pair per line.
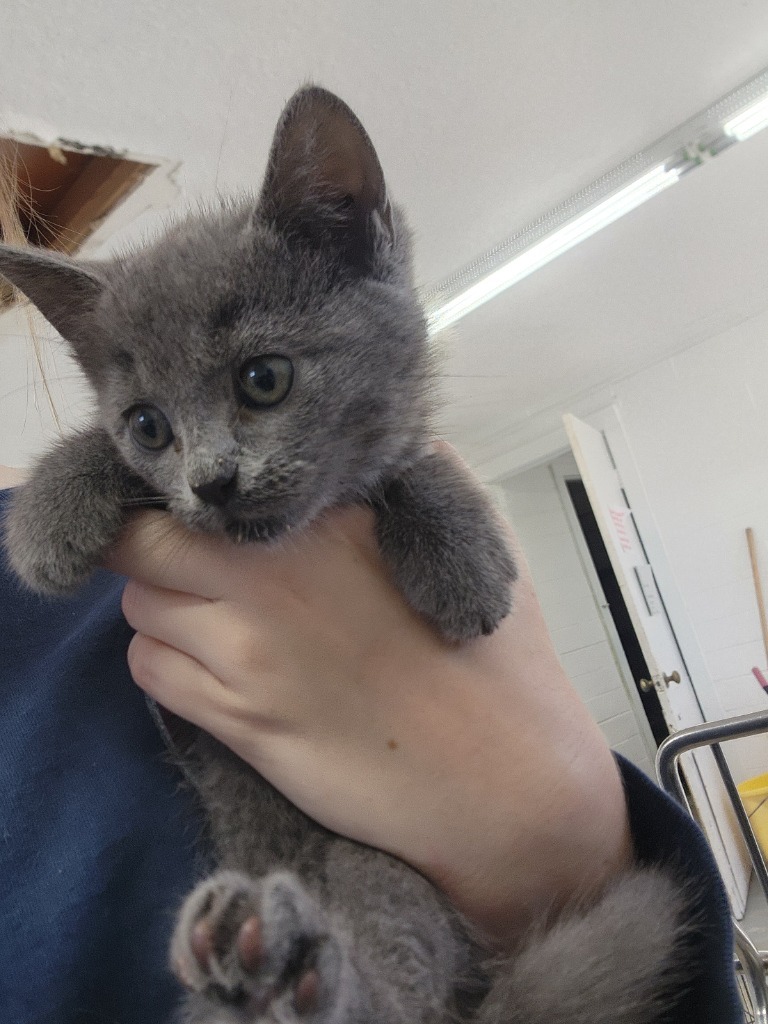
219,489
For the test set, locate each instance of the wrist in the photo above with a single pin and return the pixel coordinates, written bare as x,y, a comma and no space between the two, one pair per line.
541,851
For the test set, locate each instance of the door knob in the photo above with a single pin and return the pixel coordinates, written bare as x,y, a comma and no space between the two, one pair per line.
646,685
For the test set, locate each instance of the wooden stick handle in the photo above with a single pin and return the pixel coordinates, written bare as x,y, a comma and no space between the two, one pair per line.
758,587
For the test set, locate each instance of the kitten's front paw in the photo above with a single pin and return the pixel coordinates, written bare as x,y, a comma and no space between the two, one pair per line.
60,523
51,547
477,599
466,595
261,948
446,548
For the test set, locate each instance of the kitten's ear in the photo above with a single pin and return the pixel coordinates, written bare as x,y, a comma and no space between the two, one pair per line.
324,179
63,290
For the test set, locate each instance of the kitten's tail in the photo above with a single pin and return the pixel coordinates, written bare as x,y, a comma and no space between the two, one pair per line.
622,961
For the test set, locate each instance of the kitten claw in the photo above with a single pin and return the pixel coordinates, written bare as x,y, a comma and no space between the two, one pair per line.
250,944
182,973
305,998
201,943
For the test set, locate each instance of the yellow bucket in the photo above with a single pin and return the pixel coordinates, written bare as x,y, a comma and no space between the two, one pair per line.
754,796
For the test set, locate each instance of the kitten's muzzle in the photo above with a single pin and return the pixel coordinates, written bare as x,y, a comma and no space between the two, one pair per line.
218,489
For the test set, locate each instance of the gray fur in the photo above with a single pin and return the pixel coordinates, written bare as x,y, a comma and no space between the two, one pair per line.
317,269
600,964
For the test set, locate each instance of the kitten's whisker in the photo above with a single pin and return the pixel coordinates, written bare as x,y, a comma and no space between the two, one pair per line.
475,376
147,499
183,541
144,502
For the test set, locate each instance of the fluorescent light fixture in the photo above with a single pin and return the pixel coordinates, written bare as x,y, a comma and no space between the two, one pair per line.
734,117
749,121
553,245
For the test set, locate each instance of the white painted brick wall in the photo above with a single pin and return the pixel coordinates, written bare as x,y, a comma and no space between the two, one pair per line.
534,508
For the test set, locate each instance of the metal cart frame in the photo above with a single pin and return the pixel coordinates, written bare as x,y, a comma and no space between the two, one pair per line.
750,962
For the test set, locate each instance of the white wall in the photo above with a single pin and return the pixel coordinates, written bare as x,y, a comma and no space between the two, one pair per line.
534,507
697,426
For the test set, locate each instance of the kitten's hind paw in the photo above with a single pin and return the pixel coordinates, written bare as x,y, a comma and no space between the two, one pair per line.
261,948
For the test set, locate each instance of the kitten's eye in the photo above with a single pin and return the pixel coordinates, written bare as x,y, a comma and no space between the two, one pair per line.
149,427
266,380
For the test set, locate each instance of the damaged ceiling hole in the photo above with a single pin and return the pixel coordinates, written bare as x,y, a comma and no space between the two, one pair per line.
64,194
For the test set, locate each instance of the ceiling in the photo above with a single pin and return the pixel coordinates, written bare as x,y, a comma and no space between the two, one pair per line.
485,115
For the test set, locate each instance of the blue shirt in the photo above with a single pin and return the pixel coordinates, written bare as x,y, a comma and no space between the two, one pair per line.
99,841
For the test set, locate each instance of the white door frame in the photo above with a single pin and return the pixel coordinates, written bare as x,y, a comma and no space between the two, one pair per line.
603,471
609,421
564,467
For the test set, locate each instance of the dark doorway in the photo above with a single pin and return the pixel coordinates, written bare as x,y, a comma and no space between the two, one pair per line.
618,609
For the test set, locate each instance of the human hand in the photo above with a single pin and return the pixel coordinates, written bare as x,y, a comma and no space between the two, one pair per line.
476,764
10,477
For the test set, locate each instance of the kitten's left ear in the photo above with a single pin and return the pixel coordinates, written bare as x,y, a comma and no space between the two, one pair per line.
324,179
64,290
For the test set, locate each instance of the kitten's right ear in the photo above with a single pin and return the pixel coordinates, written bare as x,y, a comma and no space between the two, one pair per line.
324,180
64,290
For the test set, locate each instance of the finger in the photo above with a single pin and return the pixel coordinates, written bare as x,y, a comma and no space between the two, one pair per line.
439,445
170,616
211,632
10,477
348,527
158,550
177,682
185,687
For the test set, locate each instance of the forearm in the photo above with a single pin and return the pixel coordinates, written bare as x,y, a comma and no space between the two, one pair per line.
544,837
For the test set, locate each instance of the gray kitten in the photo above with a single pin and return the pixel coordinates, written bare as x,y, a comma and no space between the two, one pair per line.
255,366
